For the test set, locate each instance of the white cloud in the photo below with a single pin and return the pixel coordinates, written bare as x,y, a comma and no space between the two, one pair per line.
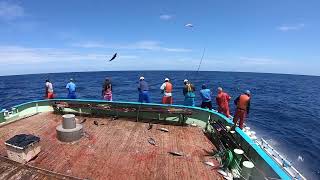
140,45
294,27
242,61
17,55
259,61
127,57
10,11
22,60
246,64
90,44
165,17
155,46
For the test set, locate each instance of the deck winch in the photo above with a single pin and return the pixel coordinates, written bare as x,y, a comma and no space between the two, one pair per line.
69,130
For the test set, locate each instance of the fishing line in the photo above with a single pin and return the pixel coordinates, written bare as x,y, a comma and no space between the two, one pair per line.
199,65
204,50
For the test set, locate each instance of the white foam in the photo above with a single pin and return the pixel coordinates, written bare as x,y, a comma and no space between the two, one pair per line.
300,158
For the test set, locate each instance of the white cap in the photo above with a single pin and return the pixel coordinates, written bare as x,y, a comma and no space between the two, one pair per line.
166,79
247,92
141,78
186,80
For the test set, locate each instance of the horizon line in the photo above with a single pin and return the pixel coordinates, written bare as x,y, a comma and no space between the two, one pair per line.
66,72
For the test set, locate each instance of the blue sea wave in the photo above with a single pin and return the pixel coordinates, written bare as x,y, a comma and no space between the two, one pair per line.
285,108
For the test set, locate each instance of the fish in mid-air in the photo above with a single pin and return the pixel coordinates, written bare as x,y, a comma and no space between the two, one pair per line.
113,57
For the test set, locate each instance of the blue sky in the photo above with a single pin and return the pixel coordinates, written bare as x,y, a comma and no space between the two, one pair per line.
278,36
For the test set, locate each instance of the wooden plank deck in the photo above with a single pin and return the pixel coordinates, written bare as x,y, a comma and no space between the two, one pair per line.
117,150
10,170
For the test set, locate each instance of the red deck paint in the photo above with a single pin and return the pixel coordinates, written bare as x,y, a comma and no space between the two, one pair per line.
117,150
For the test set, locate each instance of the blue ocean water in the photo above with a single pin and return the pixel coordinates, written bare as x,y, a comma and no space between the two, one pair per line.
285,109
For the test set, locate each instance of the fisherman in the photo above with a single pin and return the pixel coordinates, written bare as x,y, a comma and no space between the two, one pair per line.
49,90
71,90
143,90
205,94
107,90
188,92
222,100
243,106
166,89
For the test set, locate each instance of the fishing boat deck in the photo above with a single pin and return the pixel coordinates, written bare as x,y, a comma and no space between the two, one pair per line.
115,149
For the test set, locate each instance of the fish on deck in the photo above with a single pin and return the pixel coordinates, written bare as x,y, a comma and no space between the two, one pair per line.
152,141
163,129
175,153
209,163
95,123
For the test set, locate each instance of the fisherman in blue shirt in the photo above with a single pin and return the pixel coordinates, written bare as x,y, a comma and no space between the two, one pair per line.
143,91
205,94
71,90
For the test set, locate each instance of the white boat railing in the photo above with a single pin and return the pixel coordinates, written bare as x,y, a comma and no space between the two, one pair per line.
283,162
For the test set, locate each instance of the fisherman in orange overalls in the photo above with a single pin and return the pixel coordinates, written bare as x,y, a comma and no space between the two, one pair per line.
222,100
166,89
243,106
